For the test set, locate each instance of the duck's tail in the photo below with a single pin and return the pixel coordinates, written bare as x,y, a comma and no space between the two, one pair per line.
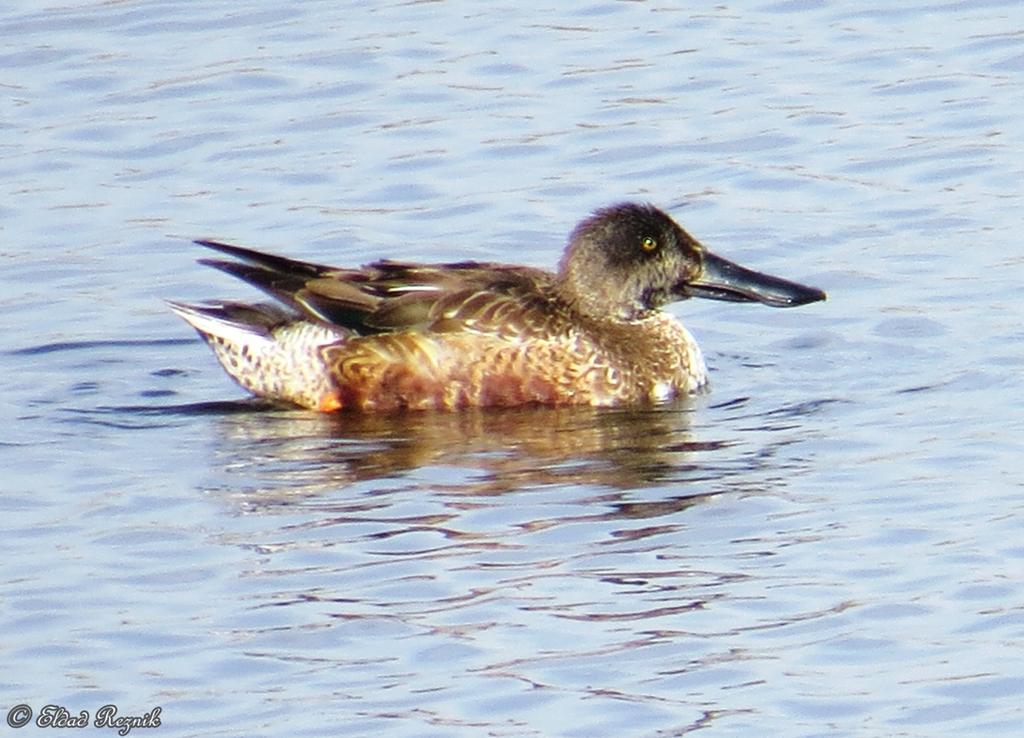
267,349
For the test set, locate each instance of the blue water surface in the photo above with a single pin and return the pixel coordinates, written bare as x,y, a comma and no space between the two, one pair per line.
828,543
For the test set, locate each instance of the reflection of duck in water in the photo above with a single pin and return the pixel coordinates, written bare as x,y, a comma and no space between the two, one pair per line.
473,452
395,335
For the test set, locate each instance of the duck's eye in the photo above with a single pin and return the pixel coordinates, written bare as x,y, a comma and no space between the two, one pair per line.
648,244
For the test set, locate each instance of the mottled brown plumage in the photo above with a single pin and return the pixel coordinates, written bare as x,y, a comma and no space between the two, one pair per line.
394,335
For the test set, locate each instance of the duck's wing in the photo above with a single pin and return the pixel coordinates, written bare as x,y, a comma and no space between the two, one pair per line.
391,296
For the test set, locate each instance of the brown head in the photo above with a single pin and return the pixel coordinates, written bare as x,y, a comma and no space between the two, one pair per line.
629,259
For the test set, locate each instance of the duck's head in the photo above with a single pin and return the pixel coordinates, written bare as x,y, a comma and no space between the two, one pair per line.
628,259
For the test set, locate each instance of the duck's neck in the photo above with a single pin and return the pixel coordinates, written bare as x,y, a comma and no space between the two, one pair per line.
598,300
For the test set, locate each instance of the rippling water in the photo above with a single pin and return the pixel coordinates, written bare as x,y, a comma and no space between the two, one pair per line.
829,543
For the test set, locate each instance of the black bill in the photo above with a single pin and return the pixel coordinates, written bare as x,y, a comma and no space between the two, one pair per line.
721,279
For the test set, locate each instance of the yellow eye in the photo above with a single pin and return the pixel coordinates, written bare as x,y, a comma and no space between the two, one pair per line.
648,244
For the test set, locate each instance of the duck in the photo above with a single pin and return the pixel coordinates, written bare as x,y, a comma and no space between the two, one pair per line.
402,336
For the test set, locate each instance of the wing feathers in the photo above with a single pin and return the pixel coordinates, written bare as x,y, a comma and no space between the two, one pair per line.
389,296
274,263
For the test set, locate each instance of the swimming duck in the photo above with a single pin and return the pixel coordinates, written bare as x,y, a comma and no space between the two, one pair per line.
394,335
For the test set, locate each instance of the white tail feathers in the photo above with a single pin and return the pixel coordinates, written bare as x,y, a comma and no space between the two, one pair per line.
266,349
